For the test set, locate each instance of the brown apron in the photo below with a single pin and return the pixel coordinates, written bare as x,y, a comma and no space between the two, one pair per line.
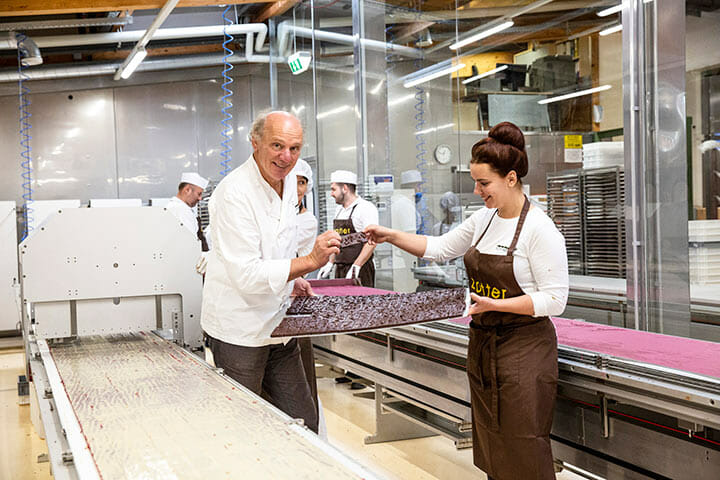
513,373
344,260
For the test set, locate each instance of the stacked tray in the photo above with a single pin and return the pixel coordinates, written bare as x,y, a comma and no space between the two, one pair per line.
704,252
564,206
604,221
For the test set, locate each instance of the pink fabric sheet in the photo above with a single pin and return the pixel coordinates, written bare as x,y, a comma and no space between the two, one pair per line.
679,353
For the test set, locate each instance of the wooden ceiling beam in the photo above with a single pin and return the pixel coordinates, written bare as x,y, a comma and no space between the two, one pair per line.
274,9
9,8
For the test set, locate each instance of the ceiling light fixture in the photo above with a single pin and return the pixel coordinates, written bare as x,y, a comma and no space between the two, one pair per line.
486,74
609,11
433,75
133,63
608,31
579,93
481,35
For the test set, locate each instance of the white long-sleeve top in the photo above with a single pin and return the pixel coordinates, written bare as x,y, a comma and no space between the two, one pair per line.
307,231
254,237
539,262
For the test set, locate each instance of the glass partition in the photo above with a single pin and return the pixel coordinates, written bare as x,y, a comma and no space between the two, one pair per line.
403,92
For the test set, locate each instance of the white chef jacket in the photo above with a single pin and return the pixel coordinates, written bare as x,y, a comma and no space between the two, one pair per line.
254,237
307,231
365,214
183,212
539,262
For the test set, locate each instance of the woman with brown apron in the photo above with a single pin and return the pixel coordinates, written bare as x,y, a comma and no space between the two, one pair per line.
517,273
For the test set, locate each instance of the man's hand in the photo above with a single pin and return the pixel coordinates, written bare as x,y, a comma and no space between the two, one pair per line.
326,244
354,272
302,288
482,304
378,234
326,270
201,265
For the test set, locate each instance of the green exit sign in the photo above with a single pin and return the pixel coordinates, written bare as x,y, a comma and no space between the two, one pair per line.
299,62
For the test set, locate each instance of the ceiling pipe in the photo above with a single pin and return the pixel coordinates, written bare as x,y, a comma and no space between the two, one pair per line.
29,51
70,23
286,28
135,35
151,65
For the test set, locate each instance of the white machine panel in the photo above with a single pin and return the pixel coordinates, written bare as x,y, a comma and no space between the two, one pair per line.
115,202
111,265
42,209
159,202
52,320
108,315
9,301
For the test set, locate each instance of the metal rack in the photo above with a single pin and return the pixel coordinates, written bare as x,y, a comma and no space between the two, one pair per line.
587,207
604,221
564,206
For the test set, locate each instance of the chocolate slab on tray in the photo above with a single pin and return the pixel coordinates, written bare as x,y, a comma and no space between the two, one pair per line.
352,239
322,315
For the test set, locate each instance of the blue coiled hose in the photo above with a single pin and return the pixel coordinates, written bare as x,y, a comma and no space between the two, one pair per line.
25,149
227,130
421,151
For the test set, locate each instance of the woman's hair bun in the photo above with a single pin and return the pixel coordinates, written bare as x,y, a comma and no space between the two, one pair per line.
503,149
509,134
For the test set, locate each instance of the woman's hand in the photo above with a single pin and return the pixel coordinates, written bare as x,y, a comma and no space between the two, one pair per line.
481,305
377,234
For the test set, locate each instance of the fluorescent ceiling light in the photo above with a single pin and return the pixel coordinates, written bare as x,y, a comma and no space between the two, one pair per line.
574,94
434,129
434,75
344,108
610,30
486,74
609,11
133,63
481,35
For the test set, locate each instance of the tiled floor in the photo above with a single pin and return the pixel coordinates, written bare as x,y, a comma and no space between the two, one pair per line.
19,444
349,420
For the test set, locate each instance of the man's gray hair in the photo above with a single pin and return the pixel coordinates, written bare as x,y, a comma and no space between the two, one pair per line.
258,126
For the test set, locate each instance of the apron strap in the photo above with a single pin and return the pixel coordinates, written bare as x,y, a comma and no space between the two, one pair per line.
521,222
351,213
486,229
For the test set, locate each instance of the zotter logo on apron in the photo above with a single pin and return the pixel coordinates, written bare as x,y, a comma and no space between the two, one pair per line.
487,290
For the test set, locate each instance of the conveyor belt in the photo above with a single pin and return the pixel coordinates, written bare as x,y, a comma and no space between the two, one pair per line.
149,409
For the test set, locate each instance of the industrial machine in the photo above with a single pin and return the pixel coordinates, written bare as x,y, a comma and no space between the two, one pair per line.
616,417
9,302
111,313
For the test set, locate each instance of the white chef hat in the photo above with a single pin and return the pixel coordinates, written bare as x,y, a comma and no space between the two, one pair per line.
193,179
410,176
343,176
302,169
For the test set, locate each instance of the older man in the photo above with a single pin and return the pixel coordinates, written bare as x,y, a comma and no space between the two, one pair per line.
254,268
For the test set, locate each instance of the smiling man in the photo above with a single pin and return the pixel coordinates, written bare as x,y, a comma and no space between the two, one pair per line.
254,268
